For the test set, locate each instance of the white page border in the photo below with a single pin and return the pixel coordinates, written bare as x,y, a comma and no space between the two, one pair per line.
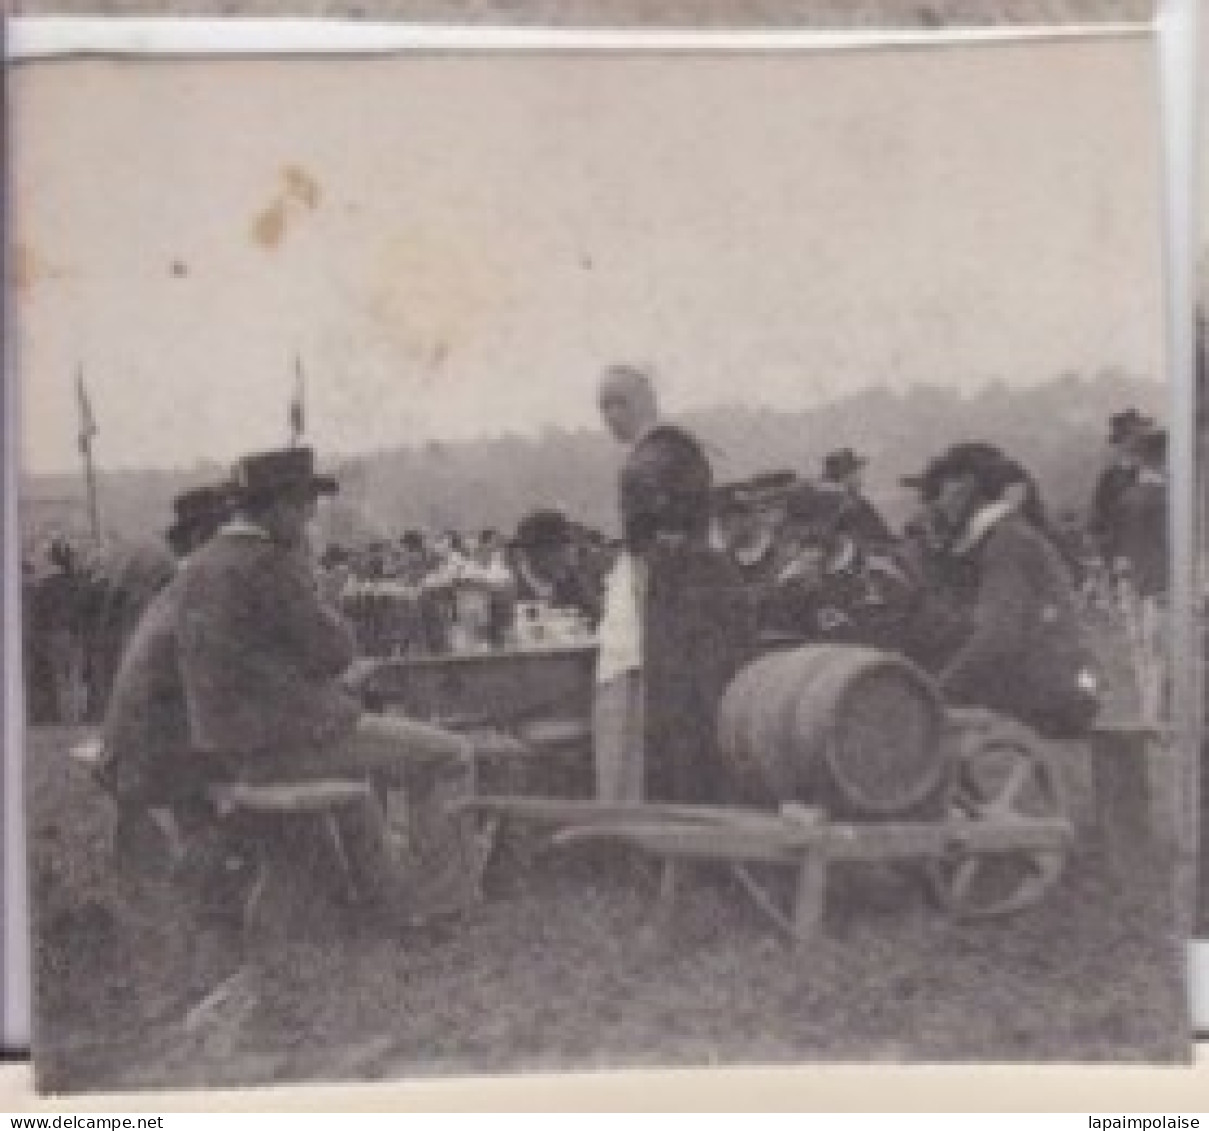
40,37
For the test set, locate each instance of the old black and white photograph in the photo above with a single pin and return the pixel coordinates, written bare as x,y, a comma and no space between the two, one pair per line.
558,560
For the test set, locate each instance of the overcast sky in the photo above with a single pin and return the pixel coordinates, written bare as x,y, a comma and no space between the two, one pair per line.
456,246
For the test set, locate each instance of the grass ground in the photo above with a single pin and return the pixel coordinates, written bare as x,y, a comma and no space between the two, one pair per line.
560,970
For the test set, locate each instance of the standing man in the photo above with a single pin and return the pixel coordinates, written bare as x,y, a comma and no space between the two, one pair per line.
668,637
844,470
1143,548
1117,478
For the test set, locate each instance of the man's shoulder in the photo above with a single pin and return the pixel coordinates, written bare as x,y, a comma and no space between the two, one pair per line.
668,446
226,556
1013,536
668,433
1016,543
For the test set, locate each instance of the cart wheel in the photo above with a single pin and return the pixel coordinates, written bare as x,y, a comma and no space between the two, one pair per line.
1002,774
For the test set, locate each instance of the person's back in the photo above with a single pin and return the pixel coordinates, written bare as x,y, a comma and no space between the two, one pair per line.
665,485
260,653
146,727
130,577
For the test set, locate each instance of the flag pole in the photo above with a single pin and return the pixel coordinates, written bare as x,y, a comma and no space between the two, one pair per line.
297,405
88,429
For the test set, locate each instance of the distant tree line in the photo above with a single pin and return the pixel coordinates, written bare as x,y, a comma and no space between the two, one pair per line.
1056,429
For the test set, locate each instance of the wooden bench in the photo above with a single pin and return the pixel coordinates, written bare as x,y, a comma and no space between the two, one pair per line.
289,890
286,864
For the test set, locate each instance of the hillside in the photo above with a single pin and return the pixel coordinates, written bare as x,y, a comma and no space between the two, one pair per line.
1056,429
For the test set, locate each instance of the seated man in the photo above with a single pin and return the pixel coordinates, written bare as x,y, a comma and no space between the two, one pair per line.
546,568
261,657
145,737
748,519
832,587
1025,655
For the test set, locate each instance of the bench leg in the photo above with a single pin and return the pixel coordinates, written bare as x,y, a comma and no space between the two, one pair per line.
665,904
297,893
809,897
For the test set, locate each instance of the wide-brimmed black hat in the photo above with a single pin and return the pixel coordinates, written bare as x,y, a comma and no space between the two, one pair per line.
842,463
199,509
923,481
984,462
1127,425
542,529
287,472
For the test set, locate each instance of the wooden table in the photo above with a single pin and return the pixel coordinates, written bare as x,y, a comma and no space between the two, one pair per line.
503,688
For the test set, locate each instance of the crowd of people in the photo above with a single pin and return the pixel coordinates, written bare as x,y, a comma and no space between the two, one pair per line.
825,562
430,595
230,656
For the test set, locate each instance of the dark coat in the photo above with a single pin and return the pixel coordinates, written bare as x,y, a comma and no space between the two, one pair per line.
1143,533
698,630
129,580
1105,517
568,586
1026,652
260,652
146,728
861,520
666,486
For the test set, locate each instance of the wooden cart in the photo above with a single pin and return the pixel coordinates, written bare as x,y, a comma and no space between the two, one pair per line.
999,846
995,839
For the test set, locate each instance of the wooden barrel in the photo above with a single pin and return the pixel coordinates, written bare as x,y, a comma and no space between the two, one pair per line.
856,731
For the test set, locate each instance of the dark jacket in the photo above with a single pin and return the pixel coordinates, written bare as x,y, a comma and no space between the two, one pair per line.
1105,517
861,520
569,586
129,580
666,486
146,728
260,652
698,630
1143,533
1026,655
